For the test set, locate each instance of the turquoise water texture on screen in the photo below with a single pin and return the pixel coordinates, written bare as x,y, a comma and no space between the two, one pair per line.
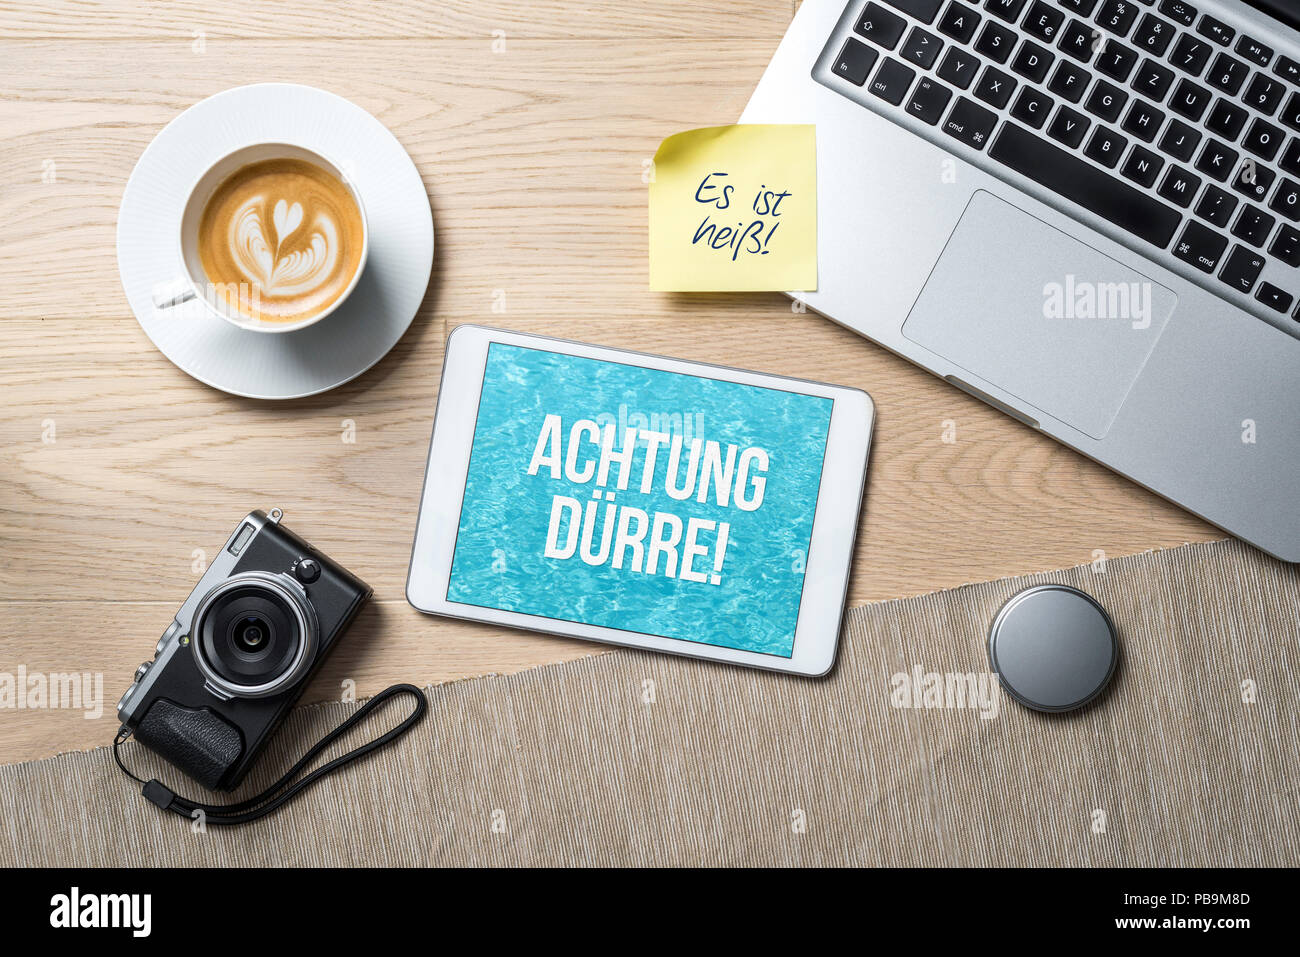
639,499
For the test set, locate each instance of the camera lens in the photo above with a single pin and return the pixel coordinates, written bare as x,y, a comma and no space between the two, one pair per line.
250,634
253,636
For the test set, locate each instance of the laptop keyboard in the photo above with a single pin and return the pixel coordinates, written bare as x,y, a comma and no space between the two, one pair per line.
1169,124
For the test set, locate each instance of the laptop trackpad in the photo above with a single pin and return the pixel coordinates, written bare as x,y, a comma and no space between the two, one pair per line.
1023,307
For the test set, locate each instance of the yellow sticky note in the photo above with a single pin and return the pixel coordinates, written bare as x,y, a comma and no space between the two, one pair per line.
735,208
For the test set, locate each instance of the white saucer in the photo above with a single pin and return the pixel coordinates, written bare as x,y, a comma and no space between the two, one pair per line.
341,346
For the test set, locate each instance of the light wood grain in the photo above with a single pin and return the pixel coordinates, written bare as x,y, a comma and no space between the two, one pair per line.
532,160
615,20
530,163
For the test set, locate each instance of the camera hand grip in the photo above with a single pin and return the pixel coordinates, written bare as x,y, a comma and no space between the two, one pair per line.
287,788
196,740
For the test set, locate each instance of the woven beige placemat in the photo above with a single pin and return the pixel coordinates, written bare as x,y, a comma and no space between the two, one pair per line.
627,758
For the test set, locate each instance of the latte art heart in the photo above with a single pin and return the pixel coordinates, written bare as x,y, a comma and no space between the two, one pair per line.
281,269
287,219
285,229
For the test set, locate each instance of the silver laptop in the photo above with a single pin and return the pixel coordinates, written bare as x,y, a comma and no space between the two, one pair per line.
1084,212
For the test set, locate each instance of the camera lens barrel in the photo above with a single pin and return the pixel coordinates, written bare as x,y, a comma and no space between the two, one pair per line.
255,635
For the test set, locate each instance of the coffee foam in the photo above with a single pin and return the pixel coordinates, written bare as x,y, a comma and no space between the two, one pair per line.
286,229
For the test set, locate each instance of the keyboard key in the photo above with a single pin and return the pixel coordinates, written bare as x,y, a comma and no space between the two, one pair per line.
959,22
1064,173
1180,141
1287,69
1183,13
1242,269
1179,186
1106,147
1216,30
1077,41
1153,80
1043,22
1032,107
1008,10
1286,246
855,62
1142,166
1253,180
1032,61
1227,74
958,67
921,48
994,87
1153,35
1227,120
1263,139
1254,51
1290,160
1253,225
1291,112
891,81
1068,127
970,123
1216,206
1106,101
1264,94
1069,81
880,26
1191,54
923,10
1143,121
1287,200
995,42
1116,61
1082,7
1117,16
1190,100
1273,297
1217,161
1201,247
929,100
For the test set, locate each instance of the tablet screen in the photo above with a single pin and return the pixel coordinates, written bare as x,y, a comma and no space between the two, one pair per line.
639,499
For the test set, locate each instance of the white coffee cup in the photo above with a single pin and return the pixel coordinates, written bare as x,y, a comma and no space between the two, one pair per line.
192,281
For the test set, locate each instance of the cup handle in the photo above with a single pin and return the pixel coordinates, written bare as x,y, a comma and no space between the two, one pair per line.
172,293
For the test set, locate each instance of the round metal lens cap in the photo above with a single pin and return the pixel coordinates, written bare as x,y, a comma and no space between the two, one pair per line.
1053,647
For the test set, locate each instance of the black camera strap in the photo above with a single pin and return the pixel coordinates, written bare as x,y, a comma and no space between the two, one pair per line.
281,793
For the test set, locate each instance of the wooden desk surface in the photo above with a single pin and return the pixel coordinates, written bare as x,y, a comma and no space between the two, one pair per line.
532,157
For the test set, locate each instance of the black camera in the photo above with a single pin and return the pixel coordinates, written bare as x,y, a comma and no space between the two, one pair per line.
240,651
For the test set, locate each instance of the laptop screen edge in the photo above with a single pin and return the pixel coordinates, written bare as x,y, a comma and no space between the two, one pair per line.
1284,11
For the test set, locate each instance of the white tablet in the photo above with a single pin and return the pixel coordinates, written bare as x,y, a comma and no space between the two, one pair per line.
643,501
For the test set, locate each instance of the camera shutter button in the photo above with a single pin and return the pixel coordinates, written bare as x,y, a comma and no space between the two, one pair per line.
306,570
